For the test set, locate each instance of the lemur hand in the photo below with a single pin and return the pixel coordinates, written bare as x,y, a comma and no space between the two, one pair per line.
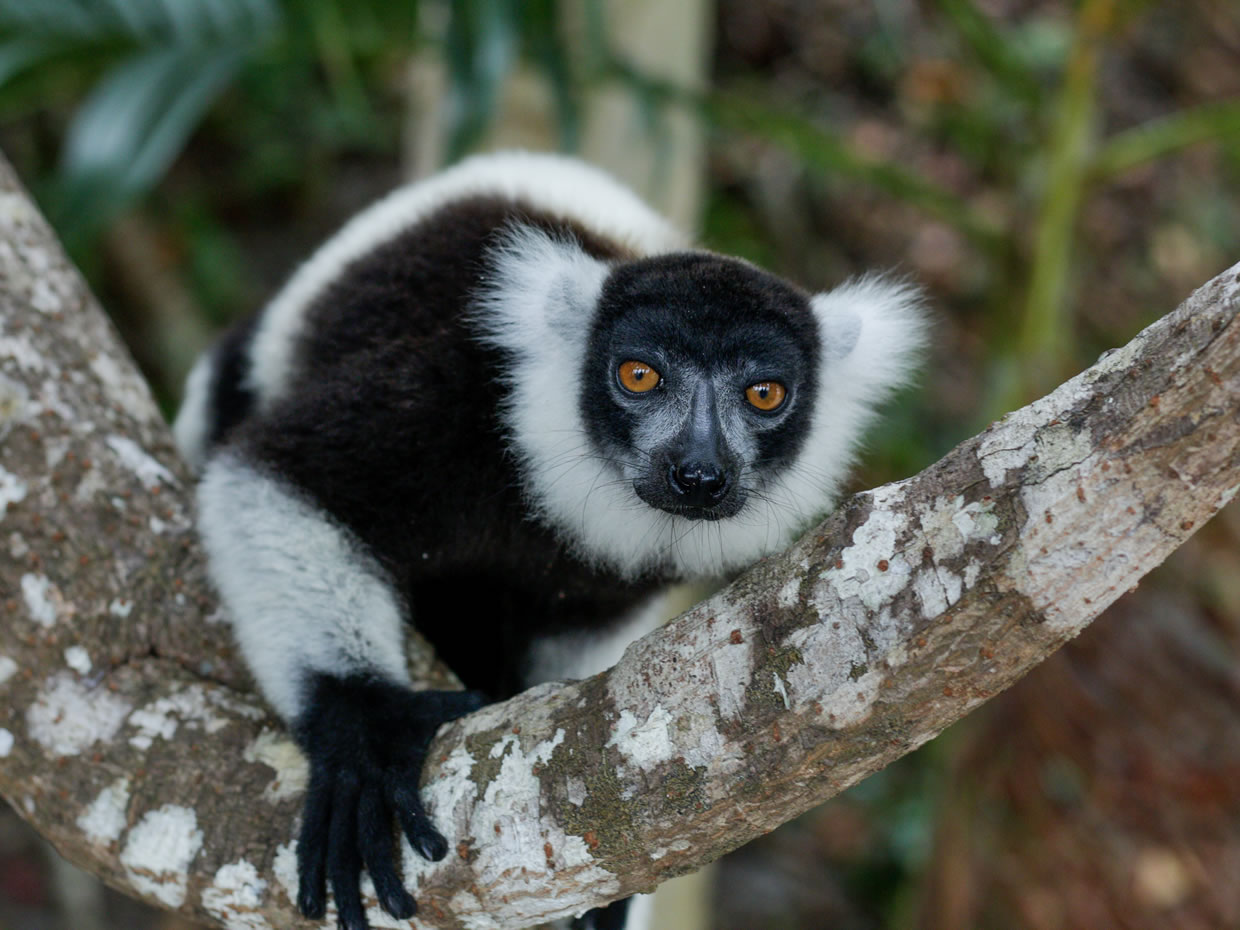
367,740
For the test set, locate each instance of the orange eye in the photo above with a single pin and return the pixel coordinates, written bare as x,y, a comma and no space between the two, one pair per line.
766,395
638,377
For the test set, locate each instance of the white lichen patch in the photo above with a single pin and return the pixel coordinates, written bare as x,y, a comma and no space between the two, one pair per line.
67,716
22,351
91,484
731,665
871,571
122,385
120,607
78,659
276,750
133,457
1008,446
195,706
711,749
12,490
781,690
158,852
789,594
44,601
834,681
937,588
284,868
104,820
14,404
235,895
6,743
644,743
950,525
8,668
509,834
1021,438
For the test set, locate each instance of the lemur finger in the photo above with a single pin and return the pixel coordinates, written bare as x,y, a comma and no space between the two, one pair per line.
344,862
374,839
417,825
312,847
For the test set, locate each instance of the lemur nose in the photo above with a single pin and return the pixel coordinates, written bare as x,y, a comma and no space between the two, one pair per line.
698,483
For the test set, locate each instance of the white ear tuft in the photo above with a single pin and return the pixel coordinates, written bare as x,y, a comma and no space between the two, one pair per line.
541,296
873,331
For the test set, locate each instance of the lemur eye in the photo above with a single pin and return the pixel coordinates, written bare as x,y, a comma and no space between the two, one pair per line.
638,377
766,395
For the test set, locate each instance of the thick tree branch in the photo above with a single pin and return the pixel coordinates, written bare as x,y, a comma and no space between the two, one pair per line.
130,736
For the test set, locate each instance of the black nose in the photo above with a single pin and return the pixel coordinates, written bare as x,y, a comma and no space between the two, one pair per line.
699,484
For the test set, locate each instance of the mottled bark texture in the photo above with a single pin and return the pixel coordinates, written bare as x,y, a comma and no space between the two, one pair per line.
130,736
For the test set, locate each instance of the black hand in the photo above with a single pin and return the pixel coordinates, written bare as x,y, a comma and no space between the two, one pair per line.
367,741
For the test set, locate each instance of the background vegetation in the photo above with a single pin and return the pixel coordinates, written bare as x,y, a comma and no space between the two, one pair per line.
1057,174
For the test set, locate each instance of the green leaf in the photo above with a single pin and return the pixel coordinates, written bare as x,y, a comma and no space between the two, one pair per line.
481,50
541,21
1161,137
18,54
992,48
131,127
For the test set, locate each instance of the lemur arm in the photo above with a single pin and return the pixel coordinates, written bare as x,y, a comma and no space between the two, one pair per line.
322,630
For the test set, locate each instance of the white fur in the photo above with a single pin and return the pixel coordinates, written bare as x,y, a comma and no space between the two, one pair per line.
882,322
302,595
559,185
538,308
193,422
582,653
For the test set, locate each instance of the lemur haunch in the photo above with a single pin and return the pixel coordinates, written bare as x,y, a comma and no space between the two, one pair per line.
507,404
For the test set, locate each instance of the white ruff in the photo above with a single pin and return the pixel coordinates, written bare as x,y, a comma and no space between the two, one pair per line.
303,595
539,308
561,186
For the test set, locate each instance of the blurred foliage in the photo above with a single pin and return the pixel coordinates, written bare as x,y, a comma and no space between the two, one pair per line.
120,85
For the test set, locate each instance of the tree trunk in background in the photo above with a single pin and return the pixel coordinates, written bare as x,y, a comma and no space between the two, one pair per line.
664,162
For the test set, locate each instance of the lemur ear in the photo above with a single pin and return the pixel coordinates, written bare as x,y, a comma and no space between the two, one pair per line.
542,288
872,329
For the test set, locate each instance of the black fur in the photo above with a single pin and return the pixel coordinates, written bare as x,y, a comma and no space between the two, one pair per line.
233,399
391,426
367,741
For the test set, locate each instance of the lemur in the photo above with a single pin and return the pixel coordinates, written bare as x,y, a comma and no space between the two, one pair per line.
508,404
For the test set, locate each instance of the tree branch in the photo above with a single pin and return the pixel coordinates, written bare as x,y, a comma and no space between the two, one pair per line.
130,736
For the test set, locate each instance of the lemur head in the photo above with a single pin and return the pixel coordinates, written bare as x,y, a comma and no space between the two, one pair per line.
686,413
699,381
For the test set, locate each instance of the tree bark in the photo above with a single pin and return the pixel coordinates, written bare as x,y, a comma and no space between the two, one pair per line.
131,737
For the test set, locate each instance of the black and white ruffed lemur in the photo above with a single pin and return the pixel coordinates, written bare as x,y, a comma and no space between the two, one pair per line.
508,404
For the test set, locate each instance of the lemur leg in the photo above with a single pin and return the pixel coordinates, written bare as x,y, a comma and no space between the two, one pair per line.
322,631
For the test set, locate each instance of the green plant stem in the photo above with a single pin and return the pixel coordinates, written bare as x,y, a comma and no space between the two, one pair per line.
992,48
1044,340
1160,137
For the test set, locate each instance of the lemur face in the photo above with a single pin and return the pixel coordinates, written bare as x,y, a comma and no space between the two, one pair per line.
699,381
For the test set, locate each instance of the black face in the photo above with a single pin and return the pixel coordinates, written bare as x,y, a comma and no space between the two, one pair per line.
699,380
